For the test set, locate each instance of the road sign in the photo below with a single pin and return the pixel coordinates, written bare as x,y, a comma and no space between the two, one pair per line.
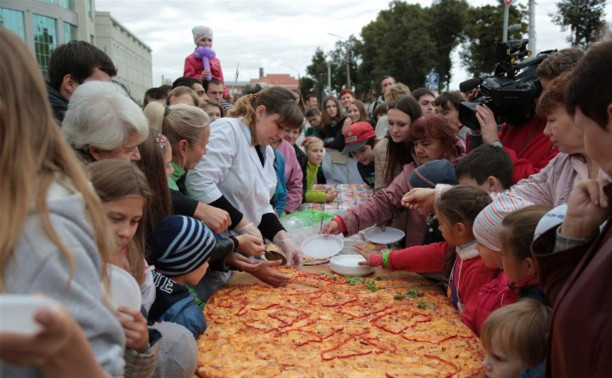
434,78
508,2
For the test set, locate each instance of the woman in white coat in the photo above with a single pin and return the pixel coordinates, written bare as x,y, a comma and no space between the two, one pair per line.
237,174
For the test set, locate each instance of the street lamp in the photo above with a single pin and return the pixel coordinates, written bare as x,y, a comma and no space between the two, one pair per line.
348,61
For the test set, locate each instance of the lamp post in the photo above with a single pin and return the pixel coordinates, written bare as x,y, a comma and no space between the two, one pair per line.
348,60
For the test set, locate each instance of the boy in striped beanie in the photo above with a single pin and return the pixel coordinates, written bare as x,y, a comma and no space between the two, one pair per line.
180,250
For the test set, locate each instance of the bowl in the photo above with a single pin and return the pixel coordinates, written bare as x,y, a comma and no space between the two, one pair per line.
322,246
389,235
17,312
347,265
124,290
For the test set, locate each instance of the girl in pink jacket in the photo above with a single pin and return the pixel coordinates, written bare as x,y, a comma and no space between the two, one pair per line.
504,232
456,210
202,36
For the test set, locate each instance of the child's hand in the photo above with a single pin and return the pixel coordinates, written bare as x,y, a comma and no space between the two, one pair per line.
421,199
136,330
363,250
204,74
251,245
330,194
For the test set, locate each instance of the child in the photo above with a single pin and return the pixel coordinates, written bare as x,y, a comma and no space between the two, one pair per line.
356,113
359,140
124,192
279,200
214,110
487,228
456,210
292,136
313,116
202,36
313,173
181,248
429,175
293,169
515,338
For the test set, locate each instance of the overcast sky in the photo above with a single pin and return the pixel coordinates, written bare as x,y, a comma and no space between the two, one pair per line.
279,35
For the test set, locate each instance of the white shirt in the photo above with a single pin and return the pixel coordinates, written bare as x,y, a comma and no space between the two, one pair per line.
232,169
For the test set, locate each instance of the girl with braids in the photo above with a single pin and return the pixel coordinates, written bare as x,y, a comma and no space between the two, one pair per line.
237,174
53,237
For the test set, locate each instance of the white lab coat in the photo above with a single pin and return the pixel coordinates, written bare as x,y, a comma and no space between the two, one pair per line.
232,168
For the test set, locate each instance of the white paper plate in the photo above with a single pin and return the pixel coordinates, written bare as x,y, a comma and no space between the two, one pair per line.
347,265
378,236
17,312
322,246
124,290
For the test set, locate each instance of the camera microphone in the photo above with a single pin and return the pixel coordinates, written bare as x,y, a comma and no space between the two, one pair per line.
468,85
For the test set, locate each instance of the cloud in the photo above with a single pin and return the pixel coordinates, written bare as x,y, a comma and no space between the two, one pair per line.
280,36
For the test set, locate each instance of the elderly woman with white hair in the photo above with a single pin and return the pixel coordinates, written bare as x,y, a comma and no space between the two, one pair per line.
102,122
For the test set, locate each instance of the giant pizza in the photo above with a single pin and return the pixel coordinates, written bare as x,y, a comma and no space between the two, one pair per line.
324,325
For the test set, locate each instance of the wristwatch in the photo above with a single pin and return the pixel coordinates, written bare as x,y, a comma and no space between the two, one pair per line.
497,143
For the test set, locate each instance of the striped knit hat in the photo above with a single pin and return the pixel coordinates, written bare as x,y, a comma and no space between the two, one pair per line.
488,223
432,173
180,245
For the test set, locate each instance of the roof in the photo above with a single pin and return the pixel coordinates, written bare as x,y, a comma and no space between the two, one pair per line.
284,80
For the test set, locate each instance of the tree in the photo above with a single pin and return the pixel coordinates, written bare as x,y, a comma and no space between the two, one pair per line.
338,58
483,27
397,43
317,73
447,21
585,19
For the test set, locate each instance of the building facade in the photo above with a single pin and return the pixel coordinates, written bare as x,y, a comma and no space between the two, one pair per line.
45,24
131,56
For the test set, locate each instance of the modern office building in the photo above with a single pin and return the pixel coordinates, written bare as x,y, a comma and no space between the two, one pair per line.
45,24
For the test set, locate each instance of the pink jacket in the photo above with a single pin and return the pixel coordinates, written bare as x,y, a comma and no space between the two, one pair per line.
553,184
385,205
294,176
194,67
497,293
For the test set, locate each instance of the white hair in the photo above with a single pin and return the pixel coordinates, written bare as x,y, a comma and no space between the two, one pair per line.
102,115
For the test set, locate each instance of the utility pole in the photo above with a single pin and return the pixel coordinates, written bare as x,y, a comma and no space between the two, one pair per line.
507,4
328,77
532,25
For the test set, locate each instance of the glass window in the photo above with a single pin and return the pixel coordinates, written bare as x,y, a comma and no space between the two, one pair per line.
48,1
70,32
13,20
45,40
68,4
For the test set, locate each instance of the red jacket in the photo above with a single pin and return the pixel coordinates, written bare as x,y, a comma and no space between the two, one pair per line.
528,147
470,273
194,67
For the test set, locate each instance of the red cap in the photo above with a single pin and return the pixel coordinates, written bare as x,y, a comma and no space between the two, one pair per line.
357,135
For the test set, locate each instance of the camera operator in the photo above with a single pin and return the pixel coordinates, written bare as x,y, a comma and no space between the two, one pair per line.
528,147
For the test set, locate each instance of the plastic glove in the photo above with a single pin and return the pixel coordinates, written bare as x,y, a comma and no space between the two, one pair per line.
292,251
250,229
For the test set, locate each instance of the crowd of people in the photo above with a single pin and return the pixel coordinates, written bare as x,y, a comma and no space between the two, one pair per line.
187,187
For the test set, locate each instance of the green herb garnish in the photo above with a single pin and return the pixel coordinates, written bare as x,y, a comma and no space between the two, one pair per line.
353,280
399,297
371,285
414,293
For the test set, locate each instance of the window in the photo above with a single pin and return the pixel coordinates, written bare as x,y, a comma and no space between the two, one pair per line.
45,40
13,21
47,1
67,4
69,32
